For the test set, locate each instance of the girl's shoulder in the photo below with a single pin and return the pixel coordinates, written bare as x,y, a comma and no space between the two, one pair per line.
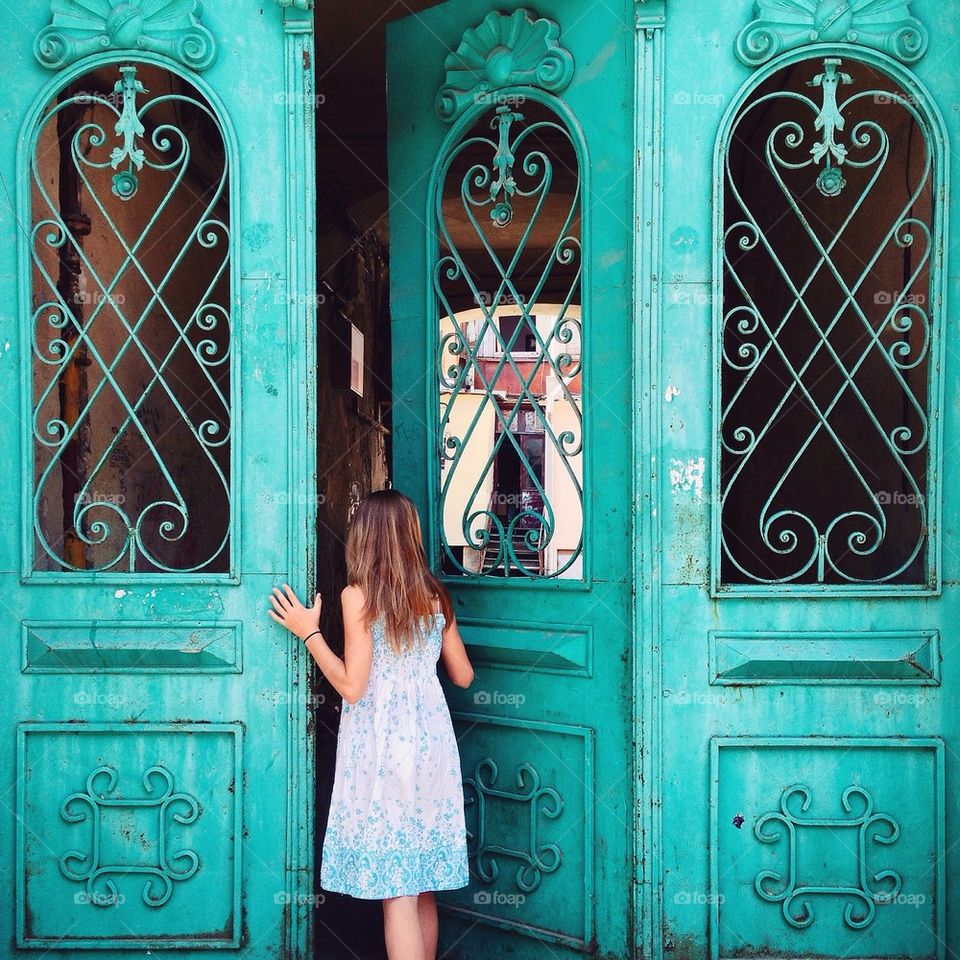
352,596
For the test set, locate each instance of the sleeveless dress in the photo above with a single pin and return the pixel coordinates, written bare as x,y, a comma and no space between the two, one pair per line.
396,825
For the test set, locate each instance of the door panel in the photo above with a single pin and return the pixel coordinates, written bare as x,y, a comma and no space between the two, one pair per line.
808,567
510,267
149,366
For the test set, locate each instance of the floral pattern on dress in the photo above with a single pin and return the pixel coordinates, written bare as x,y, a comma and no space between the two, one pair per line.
396,825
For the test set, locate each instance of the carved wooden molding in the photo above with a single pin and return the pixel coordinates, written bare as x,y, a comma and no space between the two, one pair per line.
781,25
83,27
504,50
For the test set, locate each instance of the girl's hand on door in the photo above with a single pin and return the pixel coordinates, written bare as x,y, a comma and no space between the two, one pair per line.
289,612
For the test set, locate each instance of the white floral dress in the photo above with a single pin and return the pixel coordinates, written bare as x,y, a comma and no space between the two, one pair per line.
396,825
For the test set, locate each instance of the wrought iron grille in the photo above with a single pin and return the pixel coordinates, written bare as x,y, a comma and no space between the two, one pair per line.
826,330
507,280
130,327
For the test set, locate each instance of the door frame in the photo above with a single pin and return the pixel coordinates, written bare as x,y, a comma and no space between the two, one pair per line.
648,540
301,301
291,37
650,473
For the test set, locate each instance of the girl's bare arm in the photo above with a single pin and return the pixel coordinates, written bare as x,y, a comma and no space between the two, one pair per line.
453,653
348,676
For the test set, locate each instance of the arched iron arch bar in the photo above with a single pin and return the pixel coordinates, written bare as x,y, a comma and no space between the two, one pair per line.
938,145
463,123
62,79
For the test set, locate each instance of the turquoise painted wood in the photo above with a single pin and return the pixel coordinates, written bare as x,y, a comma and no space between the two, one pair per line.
159,767
801,733
545,730
775,708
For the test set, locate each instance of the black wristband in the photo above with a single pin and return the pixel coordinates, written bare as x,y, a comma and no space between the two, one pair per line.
309,635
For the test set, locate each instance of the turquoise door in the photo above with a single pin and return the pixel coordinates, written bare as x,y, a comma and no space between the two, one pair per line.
156,771
805,561
769,296
510,161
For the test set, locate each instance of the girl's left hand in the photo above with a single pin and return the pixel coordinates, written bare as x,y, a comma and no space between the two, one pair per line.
289,612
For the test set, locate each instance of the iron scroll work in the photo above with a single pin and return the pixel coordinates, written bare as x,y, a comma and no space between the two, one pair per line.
95,806
827,334
507,336
786,886
130,327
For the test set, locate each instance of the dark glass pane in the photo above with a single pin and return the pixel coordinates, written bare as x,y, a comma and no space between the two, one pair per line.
507,283
131,327
826,331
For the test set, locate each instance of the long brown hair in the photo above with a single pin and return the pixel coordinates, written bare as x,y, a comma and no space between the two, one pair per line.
386,559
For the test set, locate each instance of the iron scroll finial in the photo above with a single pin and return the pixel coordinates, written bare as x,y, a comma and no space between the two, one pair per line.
886,25
504,50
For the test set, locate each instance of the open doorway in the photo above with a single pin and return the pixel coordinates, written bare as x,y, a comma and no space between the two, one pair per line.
354,362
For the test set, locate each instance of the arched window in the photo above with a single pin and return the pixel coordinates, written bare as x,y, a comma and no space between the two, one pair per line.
826,310
129,326
507,283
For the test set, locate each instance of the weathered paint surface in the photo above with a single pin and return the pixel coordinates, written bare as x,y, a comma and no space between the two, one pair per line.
159,776
545,731
816,715
841,699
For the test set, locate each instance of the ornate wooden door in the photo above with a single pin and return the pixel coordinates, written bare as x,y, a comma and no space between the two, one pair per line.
156,330
510,164
805,561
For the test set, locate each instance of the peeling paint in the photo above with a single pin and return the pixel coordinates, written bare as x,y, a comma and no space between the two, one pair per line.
611,257
119,594
687,475
670,393
258,235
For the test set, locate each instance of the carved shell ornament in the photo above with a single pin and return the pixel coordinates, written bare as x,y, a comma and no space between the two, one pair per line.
781,25
83,27
504,50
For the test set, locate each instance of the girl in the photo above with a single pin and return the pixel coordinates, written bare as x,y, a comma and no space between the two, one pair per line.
396,830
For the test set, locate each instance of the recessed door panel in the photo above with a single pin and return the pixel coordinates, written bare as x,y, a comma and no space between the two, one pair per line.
510,273
149,511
